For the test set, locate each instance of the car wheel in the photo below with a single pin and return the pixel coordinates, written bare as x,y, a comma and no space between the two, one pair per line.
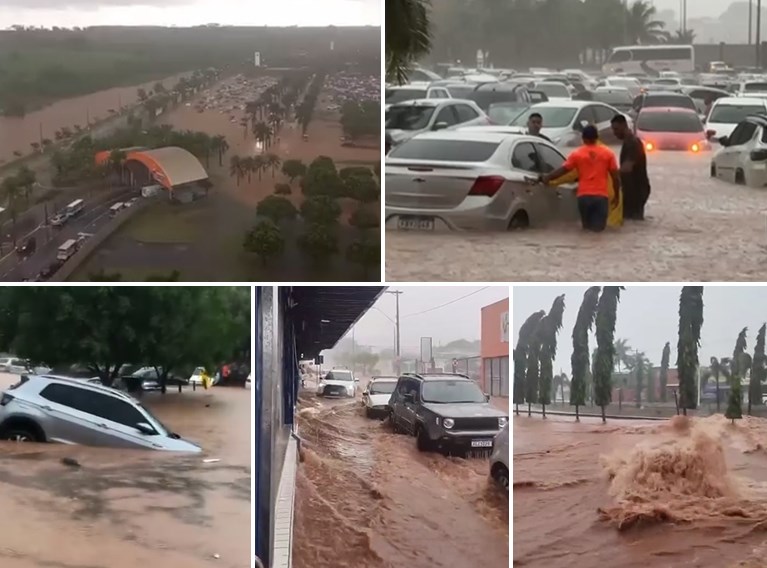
501,476
393,423
422,440
520,220
740,177
20,435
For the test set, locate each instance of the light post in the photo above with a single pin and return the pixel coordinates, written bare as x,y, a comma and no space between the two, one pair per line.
759,34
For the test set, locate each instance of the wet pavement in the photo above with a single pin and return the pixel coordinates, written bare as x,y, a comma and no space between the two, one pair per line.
638,494
366,498
697,229
125,509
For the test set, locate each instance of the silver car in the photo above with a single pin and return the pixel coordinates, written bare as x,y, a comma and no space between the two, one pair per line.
563,121
405,120
499,460
72,411
475,179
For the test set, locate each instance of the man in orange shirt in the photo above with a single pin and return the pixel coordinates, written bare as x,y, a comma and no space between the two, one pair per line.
594,164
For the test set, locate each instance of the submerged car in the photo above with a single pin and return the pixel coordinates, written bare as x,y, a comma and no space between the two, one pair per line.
499,460
475,178
338,382
405,120
376,396
743,156
447,412
671,129
73,411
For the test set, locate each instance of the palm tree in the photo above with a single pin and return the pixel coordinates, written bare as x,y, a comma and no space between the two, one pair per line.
690,323
641,26
220,145
663,375
718,367
549,328
248,166
580,357
11,188
622,353
758,371
262,133
116,162
273,161
26,179
235,168
408,36
607,311
520,357
532,373
686,37
259,165
640,371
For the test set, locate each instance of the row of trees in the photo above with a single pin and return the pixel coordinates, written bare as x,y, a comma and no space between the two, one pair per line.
12,189
361,119
320,211
241,167
509,33
105,327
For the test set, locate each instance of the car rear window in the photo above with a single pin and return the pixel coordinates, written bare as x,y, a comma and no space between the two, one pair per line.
670,101
409,117
733,114
445,150
623,98
401,95
755,88
669,122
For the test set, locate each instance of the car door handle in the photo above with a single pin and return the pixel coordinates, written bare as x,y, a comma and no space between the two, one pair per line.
102,425
48,408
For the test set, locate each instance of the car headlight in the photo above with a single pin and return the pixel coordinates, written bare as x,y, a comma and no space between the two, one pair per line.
502,421
448,423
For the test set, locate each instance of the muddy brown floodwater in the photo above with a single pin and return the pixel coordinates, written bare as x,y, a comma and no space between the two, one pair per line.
366,498
129,509
676,494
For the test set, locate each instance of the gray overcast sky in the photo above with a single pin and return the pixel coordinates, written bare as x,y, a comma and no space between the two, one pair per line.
649,316
459,320
695,8
70,13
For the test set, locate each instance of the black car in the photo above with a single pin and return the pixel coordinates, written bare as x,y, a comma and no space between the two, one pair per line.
27,248
444,411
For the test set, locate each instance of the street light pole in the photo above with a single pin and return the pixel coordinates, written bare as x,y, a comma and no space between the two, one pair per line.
759,34
750,21
396,323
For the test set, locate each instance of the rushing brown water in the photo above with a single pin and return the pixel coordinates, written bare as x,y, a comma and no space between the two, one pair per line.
124,509
366,498
679,493
18,133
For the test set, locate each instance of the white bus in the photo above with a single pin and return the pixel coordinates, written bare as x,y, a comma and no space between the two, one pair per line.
115,209
74,208
67,250
650,59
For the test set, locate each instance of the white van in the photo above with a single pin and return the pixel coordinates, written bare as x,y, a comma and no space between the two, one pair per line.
67,250
116,208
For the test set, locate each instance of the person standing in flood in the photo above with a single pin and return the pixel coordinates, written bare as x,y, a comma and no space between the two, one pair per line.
534,125
633,166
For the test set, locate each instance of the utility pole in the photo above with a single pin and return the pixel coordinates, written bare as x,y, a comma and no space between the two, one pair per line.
354,350
397,294
750,21
759,34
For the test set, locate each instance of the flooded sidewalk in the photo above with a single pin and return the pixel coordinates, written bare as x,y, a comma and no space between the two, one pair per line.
124,509
366,498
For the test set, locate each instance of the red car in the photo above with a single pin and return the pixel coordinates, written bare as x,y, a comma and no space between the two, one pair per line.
666,128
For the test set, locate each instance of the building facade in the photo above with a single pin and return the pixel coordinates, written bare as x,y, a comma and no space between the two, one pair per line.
494,348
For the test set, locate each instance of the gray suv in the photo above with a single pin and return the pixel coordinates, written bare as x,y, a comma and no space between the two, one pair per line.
59,409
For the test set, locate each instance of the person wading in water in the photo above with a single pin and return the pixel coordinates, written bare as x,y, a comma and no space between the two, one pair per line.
634,179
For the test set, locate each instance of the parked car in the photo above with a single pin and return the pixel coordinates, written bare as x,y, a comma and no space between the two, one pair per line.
563,121
445,412
376,396
405,120
671,129
338,382
464,179
412,92
726,113
499,460
72,411
27,248
661,99
743,156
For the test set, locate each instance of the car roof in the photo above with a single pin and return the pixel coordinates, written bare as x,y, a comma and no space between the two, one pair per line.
83,383
739,101
668,109
384,379
442,377
425,102
667,94
565,104
469,135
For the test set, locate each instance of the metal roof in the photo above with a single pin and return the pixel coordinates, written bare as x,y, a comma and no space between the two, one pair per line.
322,315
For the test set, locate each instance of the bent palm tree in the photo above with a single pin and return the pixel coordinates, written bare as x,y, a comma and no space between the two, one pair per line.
580,357
607,311
758,371
642,26
520,357
690,323
408,36
549,328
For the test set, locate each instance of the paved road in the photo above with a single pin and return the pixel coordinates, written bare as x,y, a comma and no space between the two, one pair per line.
14,269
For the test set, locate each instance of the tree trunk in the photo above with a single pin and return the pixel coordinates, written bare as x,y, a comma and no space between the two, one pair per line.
577,416
544,412
516,408
604,420
717,394
529,410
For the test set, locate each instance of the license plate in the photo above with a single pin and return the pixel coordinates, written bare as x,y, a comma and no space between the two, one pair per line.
415,223
481,443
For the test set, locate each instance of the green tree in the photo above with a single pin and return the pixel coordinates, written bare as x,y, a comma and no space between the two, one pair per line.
366,217
365,252
272,161
549,329
623,354
640,371
282,189
533,372
642,26
520,357
734,401
605,329
579,360
651,391
293,169
276,208
718,367
361,188
319,243
408,36
738,366
321,209
690,323
663,375
758,371
265,240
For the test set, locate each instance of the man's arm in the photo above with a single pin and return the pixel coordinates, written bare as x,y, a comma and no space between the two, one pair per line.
632,155
570,164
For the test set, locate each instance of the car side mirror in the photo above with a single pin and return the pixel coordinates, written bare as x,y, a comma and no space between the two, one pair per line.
356,380
146,429
724,140
408,397
440,126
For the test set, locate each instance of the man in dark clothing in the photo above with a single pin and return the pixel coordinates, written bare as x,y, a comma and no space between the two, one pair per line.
635,182
534,125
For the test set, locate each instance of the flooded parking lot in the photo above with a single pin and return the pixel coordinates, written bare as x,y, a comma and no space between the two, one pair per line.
698,229
366,498
122,509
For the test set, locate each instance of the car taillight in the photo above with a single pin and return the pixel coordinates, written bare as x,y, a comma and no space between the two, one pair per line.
649,146
487,186
695,148
6,398
759,155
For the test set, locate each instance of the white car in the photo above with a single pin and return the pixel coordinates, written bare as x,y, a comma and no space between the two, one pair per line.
499,460
554,90
412,92
14,365
405,120
743,156
196,378
376,396
338,382
727,112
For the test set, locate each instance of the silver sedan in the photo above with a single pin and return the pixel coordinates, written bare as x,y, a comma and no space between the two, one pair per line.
474,179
